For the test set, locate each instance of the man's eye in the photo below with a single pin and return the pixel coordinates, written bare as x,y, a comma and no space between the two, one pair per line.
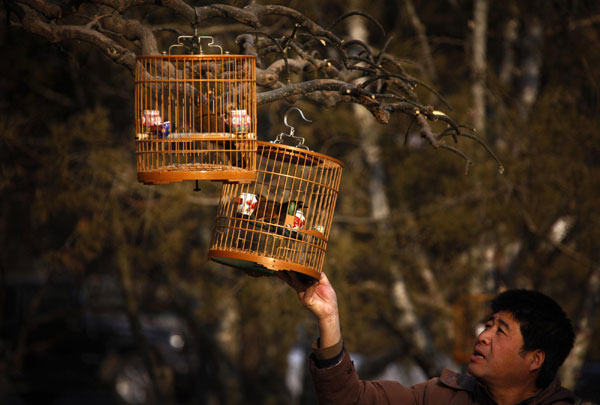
500,330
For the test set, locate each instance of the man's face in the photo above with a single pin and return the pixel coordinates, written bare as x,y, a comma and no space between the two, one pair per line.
497,357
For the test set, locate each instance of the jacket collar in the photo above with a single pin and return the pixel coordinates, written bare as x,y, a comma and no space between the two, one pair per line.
457,381
554,392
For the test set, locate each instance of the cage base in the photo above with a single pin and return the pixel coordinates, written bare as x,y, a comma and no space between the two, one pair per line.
256,265
198,172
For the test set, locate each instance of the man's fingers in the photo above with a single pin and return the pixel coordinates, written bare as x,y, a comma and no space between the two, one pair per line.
308,295
323,280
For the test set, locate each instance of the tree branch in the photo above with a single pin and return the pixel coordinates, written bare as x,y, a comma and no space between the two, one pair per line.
351,71
55,33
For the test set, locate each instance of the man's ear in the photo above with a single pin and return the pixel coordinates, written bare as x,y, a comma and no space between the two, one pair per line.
536,359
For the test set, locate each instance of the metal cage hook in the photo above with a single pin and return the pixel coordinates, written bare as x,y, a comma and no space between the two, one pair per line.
292,129
285,117
194,42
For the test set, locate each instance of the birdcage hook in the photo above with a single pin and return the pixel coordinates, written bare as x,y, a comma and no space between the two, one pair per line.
292,130
194,42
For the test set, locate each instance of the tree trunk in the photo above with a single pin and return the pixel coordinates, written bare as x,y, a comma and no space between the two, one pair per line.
483,252
584,327
480,16
532,64
424,47
417,339
510,36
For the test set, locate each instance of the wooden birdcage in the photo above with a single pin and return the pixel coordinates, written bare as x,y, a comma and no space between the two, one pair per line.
282,221
195,117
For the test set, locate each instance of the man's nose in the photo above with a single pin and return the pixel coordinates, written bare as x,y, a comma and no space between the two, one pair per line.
484,336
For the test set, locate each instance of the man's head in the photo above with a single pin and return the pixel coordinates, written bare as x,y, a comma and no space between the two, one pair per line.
528,335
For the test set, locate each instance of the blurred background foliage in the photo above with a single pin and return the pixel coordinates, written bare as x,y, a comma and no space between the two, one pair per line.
83,240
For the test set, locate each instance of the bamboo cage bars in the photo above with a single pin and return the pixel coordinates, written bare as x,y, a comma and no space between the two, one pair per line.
195,118
283,219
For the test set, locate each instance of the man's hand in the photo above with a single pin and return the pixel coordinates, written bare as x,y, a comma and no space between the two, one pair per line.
320,299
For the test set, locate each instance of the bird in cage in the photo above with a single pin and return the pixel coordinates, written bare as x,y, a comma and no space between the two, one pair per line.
275,212
209,113
220,109
214,113
232,126
208,122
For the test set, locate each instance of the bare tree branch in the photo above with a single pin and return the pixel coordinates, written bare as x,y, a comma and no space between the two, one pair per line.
55,33
304,58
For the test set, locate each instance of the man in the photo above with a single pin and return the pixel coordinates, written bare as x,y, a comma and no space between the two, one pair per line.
514,361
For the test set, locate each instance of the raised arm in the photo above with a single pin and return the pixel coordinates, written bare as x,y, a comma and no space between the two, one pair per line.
320,299
338,382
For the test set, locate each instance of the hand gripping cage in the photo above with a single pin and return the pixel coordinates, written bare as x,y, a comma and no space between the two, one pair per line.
282,220
195,116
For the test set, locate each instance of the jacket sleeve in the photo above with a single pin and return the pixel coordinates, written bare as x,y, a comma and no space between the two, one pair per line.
340,384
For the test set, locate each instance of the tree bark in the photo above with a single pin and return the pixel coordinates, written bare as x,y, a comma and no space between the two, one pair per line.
584,331
532,64
509,36
479,66
424,48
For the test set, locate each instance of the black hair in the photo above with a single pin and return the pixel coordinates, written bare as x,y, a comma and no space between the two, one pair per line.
544,326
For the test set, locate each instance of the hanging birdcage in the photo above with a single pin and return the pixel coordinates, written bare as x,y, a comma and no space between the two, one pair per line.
195,116
282,220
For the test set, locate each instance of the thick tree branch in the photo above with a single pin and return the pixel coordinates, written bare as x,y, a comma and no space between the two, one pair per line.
50,11
293,89
55,33
132,30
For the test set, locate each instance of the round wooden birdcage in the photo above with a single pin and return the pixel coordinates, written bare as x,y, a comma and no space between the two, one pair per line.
195,118
282,221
